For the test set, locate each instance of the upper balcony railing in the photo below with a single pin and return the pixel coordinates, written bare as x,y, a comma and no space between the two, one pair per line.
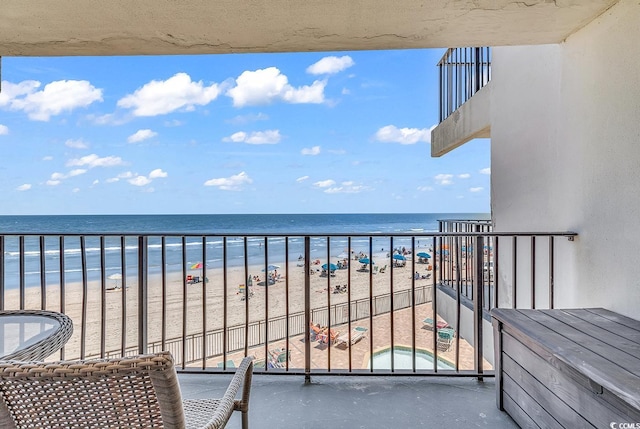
463,71
211,299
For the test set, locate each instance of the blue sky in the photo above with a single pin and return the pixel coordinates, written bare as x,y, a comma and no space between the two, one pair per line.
331,132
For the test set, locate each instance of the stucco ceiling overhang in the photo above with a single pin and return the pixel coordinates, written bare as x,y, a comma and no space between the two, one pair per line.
140,27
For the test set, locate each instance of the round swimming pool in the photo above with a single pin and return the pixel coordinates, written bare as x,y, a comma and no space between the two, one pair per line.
403,359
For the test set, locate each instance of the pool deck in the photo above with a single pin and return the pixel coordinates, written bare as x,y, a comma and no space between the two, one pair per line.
378,338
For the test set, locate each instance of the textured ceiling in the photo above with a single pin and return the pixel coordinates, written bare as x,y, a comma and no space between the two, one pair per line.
128,27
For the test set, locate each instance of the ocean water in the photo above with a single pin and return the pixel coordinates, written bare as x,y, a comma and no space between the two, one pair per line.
227,244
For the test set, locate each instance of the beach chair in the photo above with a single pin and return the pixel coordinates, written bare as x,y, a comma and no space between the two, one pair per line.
139,391
445,339
357,333
314,331
439,324
228,364
382,269
328,337
278,358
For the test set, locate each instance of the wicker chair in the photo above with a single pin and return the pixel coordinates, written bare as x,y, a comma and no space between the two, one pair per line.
128,392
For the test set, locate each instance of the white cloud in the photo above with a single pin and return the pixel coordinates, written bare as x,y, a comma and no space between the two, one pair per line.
464,176
424,188
76,144
265,86
95,182
325,183
444,179
4,130
157,173
255,137
161,97
232,183
108,119
57,178
393,134
47,158
302,179
125,175
346,187
56,97
337,151
75,190
140,181
24,187
76,172
345,91
94,160
141,135
486,170
311,150
478,189
245,119
173,123
331,65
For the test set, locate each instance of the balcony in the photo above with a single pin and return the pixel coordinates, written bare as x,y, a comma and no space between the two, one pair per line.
212,299
465,87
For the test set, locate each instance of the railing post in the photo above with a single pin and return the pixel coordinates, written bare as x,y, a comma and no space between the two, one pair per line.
477,303
307,309
143,295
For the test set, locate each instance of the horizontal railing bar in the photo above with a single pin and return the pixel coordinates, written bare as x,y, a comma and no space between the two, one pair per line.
302,234
346,373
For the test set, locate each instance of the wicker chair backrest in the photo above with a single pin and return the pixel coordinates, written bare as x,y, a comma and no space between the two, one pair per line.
140,391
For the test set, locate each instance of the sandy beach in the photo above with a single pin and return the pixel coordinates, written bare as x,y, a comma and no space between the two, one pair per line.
185,303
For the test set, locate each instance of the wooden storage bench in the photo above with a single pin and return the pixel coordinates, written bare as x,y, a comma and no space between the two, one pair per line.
575,368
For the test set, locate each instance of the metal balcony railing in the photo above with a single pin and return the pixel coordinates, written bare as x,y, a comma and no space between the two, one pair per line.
211,299
463,71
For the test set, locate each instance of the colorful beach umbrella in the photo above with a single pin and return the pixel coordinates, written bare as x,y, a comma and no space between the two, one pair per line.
197,266
330,267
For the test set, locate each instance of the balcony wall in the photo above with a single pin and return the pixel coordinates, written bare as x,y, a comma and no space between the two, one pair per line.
470,121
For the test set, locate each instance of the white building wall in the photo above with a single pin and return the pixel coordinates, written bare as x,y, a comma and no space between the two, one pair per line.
565,131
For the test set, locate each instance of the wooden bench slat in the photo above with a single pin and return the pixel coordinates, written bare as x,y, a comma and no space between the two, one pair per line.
619,350
607,323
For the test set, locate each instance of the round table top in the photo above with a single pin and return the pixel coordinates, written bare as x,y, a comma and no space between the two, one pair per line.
32,334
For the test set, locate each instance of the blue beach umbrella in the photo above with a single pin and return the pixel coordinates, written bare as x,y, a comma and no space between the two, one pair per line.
272,267
399,257
424,255
330,267
366,261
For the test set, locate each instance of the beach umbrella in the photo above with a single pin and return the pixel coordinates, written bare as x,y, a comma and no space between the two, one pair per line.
424,255
272,267
366,261
399,257
197,266
115,277
330,267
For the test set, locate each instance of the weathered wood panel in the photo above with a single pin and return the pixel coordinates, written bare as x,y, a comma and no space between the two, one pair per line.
528,405
547,399
579,367
578,397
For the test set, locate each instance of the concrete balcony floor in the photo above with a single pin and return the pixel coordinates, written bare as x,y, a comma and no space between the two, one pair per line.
359,402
